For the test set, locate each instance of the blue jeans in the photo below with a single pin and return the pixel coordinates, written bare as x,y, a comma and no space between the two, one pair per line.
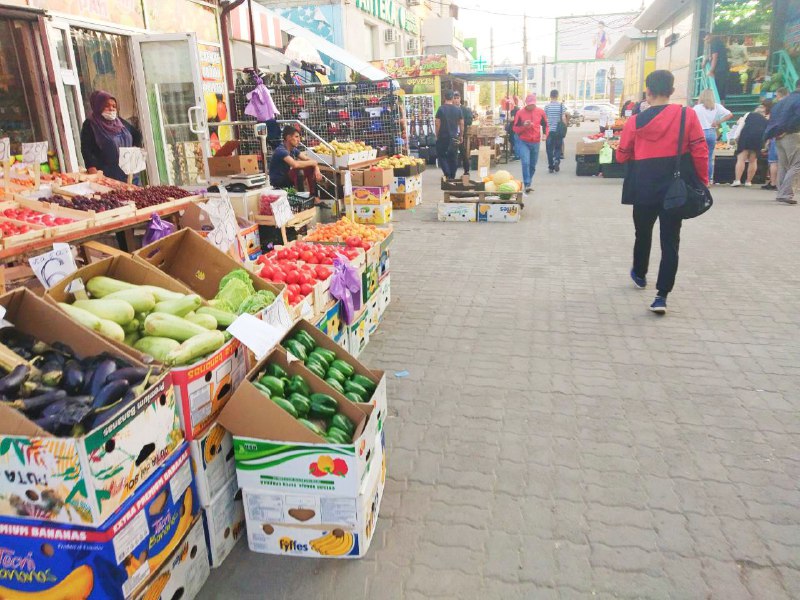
528,153
711,140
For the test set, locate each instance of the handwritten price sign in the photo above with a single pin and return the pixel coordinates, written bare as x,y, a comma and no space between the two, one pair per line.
34,153
132,160
5,149
282,211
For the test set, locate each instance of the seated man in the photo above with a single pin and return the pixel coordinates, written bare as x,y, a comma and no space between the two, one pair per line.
287,161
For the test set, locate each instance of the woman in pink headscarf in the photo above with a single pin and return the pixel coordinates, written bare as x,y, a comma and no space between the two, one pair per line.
103,134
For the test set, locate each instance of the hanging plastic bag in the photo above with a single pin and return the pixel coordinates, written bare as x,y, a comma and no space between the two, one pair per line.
606,155
157,229
346,287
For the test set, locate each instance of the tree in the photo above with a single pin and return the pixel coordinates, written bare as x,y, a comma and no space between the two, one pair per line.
742,16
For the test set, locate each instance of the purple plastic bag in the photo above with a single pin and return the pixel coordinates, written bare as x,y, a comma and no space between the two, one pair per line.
157,229
346,287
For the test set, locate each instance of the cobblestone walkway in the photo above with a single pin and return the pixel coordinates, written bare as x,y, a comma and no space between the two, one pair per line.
554,439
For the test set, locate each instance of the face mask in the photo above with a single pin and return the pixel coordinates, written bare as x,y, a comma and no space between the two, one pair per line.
110,115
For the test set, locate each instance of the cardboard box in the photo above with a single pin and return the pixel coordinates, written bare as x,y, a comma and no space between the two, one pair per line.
184,573
359,333
212,456
372,214
221,166
224,522
384,295
275,451
272,528
330,323
384,264
373,313
110,561
462,212
369,281
322,296
401,185
376,177
249,242
82,479
409,170
496,212
364,195
589,148
404,201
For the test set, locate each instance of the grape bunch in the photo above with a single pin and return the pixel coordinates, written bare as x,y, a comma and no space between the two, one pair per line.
84,203
147,197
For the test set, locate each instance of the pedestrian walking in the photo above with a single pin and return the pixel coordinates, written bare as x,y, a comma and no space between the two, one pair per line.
784,128
528,125
449,129
649,142
711,115
750,143
556,114
467,116
772,149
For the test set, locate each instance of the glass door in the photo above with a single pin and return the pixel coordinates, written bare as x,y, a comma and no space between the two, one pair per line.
170,95
70,98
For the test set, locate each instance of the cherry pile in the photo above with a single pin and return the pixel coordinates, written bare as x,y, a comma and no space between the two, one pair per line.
84,203
147,197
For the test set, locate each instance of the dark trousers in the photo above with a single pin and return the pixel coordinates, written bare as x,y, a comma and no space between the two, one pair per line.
464,155
644,218
448,159
299,179
553,151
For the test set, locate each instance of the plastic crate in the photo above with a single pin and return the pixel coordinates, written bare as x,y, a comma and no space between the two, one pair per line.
587,169
299,204
613,171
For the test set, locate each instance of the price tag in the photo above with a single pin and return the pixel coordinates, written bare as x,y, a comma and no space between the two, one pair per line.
223,219
259,336
277,315
282,211
5,149
132,160
34,153
51,267
348,183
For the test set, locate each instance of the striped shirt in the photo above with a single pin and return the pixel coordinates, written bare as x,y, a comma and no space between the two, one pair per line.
554,111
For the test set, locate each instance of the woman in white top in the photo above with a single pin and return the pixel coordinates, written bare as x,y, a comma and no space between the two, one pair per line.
711,116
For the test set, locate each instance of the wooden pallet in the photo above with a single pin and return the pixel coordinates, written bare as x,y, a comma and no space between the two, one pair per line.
488,197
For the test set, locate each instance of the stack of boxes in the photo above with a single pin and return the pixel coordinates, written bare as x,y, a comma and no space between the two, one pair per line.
303,495
109,514
406,188
372,203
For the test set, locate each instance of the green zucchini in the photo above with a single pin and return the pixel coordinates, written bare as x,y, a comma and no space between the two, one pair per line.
195,347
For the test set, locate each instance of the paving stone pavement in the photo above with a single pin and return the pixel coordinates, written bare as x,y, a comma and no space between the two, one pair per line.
554,439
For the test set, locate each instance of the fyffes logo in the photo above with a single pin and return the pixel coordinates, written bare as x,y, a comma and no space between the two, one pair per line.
289,545
326,465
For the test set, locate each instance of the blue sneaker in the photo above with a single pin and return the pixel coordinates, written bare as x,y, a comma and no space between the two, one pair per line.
659,305
639,282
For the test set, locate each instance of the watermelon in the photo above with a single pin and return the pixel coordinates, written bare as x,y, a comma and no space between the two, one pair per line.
507,190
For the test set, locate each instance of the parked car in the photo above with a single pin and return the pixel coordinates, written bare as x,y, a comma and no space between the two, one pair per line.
592,112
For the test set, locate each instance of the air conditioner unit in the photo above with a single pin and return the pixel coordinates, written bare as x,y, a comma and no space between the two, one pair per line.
411,45
390,36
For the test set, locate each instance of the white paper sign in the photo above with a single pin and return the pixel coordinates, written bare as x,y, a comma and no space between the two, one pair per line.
277,315
222,217
51,267
34,153
260,337
5,149
282,211
348,184
132,160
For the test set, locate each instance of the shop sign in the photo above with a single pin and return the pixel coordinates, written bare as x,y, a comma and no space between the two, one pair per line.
414,66
418,85
391,12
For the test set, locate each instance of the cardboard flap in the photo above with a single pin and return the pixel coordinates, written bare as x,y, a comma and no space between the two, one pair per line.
228,148
13,422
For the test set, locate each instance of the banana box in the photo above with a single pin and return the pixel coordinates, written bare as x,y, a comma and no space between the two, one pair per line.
461,212
212,455
369,280
359,333
84,479
183,574
404,200
330,323
223,520
373,313
370,195
53,560
499,212
384,263
372,214
334,527
403,185
274,451
385,294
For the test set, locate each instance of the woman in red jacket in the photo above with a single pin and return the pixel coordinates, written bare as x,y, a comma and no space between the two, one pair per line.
528,126
650,143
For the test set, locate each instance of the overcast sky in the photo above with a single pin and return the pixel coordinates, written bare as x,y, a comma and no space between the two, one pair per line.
476,19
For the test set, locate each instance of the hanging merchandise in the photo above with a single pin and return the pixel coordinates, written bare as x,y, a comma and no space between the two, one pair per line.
260,104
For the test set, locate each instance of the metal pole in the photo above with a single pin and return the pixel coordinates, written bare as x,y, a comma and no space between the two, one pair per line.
524,54
252,35
544,74
493,96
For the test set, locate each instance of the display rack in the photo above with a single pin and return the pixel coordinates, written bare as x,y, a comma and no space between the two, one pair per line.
421,124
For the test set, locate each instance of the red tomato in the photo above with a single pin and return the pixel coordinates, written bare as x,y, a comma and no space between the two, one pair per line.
267,272
322,273
291,276
306,256
293,288
306,289
278,277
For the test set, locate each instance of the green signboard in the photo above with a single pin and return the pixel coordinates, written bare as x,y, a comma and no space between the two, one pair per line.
391,12
471,46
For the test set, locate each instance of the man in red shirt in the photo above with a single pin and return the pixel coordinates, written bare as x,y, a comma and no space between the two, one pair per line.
528,126
649,144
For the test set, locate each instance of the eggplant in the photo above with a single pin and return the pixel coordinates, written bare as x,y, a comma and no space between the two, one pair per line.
30,389
40,402
12,382
39,348
132,374
72,381
101,373
88,374
110,393
65,403
63,349
52,377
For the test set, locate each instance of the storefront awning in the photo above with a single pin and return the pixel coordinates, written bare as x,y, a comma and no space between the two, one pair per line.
267,58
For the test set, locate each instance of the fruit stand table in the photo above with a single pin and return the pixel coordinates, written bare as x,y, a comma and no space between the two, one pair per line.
299,220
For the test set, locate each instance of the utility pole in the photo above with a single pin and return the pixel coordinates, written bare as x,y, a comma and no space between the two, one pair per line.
493,97
544,75
524,54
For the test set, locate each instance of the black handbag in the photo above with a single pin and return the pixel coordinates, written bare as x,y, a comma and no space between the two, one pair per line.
683,199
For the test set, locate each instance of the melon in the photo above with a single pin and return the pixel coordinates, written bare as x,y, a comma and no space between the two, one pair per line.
501,177
490,187
506,190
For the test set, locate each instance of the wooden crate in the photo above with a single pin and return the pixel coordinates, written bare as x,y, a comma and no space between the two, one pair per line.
169,206
83,220
489,197
71,191
36,233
